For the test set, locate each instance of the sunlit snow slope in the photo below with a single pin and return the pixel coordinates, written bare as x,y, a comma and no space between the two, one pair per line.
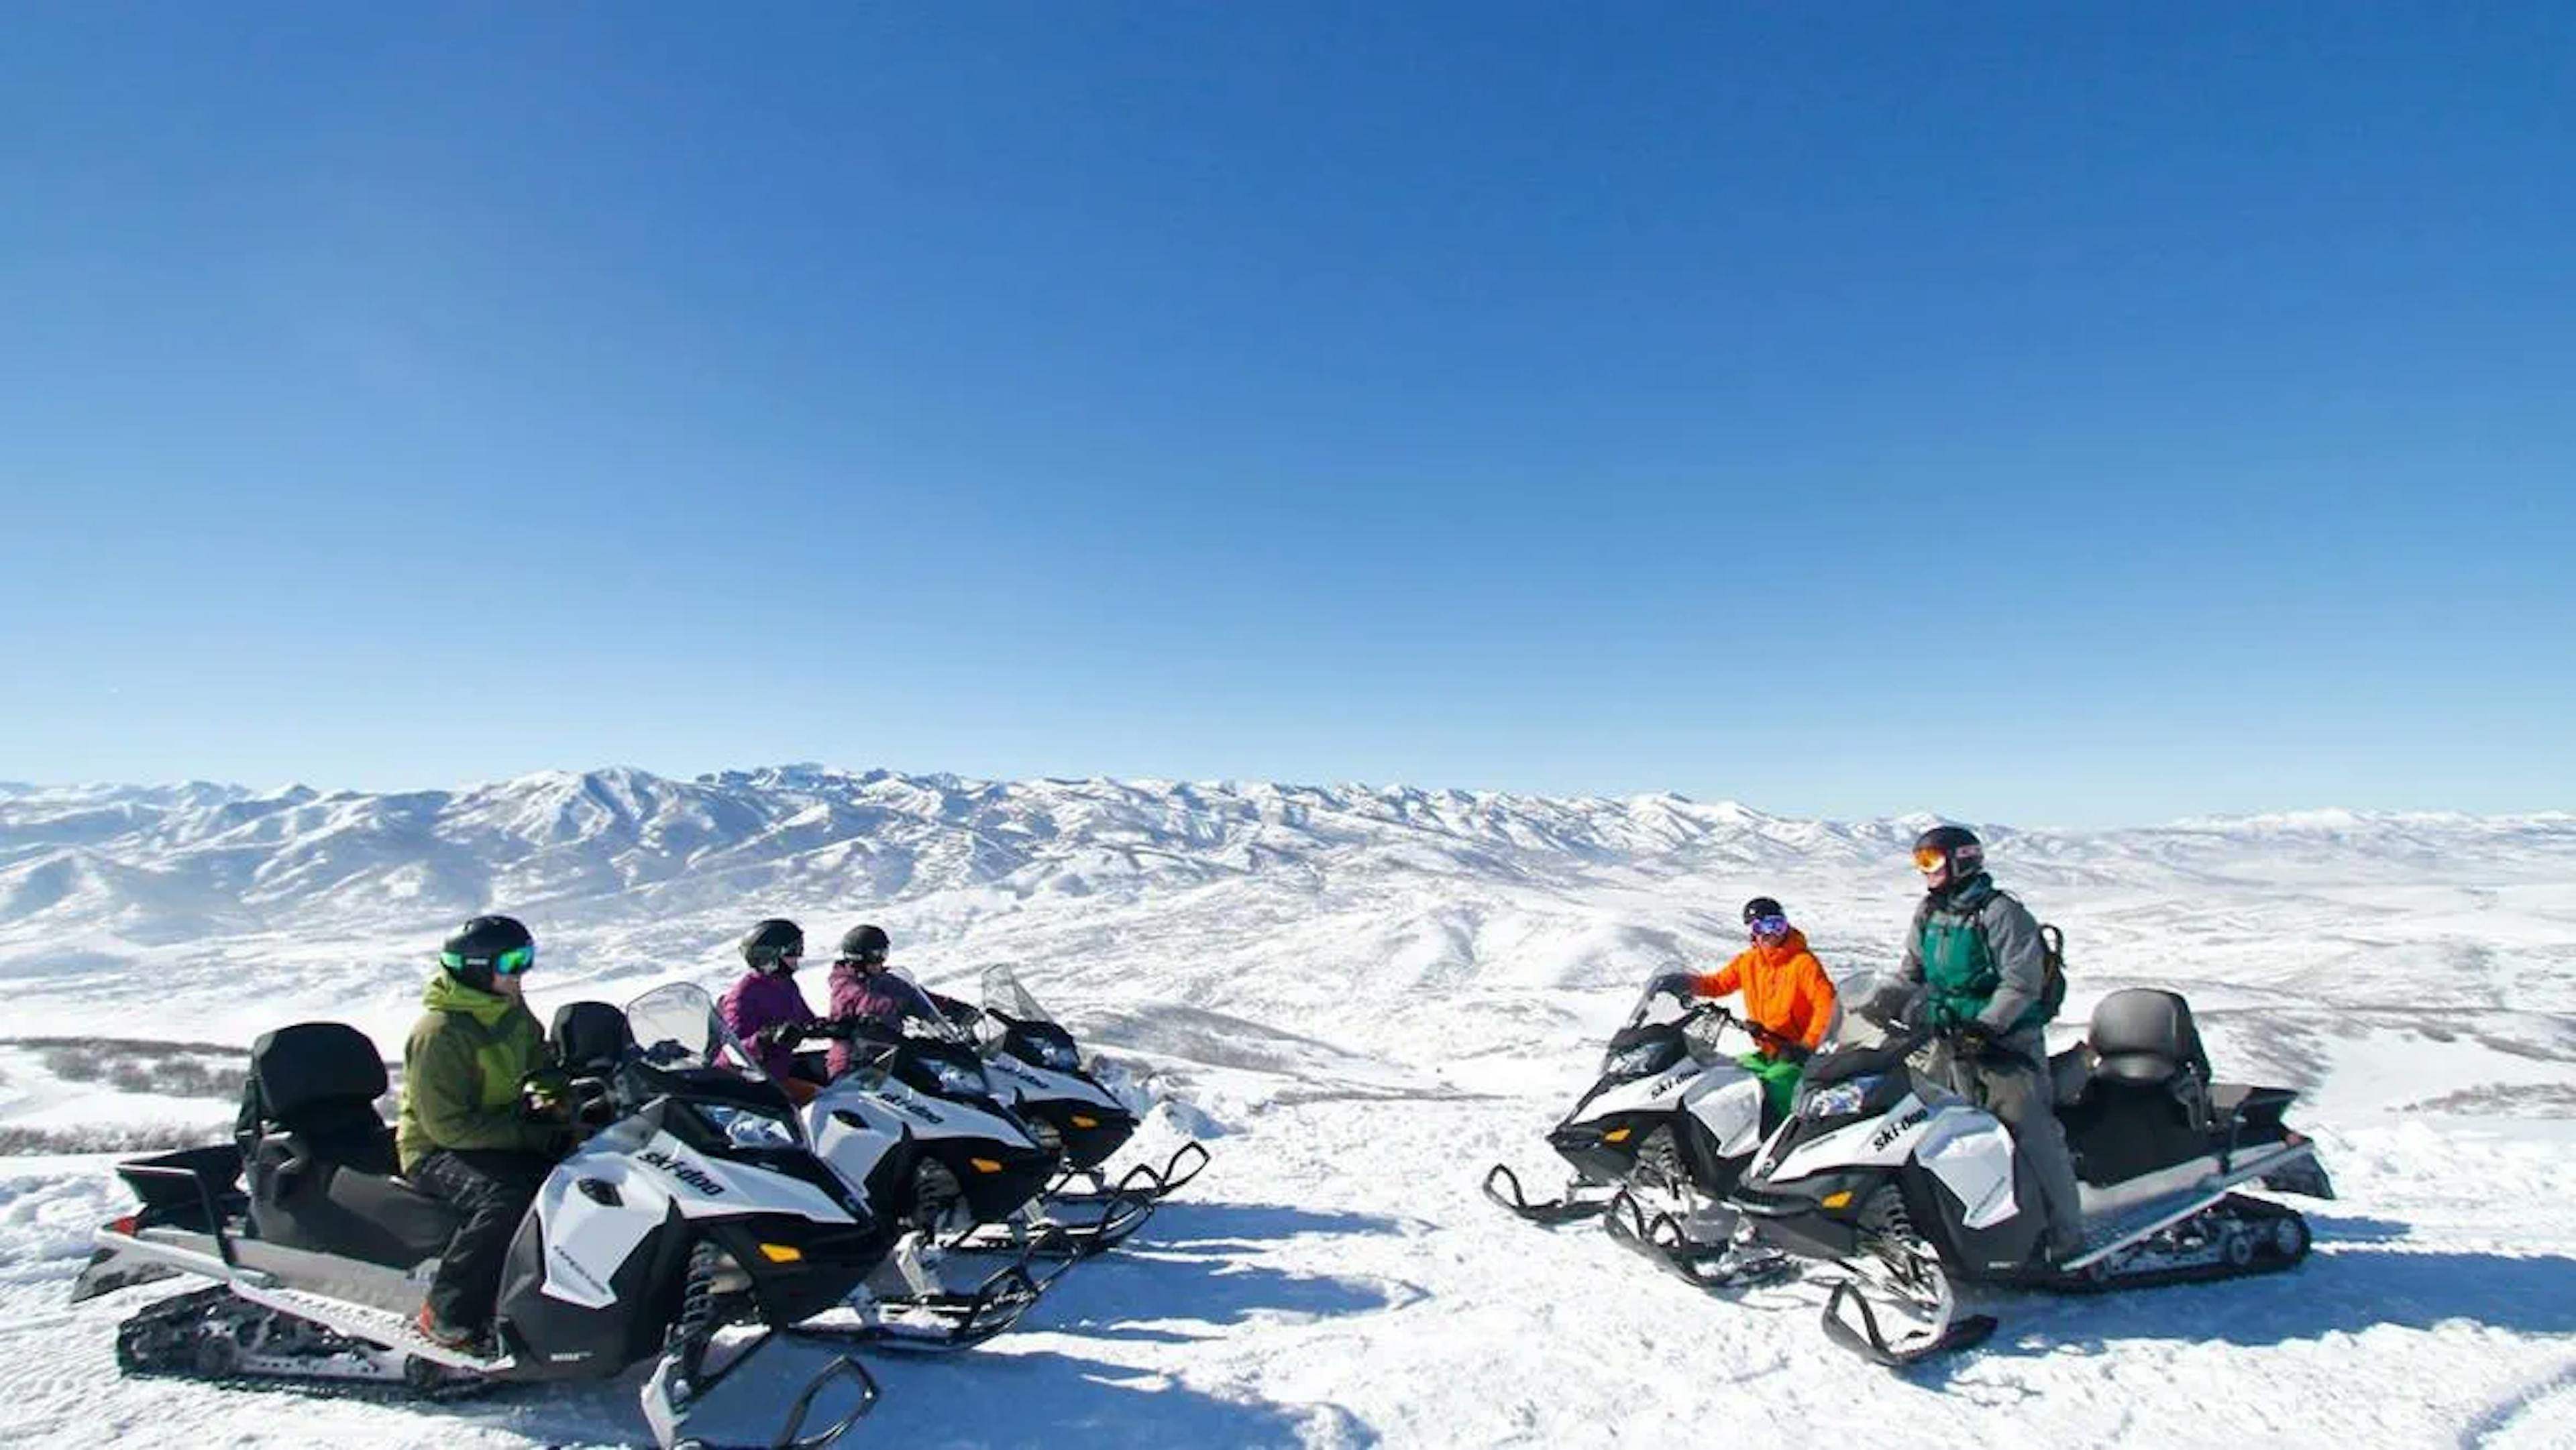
1365,995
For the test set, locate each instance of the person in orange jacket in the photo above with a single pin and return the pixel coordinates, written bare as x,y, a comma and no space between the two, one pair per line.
1786,994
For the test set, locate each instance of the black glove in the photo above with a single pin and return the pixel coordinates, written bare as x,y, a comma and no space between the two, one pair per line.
1974,1038
1677,985
778,1032
1791,1048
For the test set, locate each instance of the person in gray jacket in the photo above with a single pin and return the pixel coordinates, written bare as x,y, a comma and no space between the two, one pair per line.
1975,961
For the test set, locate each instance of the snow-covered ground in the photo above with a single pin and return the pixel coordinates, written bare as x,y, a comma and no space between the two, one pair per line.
1365,996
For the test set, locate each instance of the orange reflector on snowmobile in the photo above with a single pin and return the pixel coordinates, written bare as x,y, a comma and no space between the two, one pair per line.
1836,1199
781,1253
1615,1135
986,1165
1080,1121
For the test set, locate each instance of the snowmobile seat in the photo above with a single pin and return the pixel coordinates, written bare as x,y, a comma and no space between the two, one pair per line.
589,1036
321,1161
2140,1035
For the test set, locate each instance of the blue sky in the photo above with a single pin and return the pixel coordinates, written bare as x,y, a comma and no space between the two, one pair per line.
2001,410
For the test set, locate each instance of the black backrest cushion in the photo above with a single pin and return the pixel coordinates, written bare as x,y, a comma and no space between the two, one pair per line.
589,1034
314,1071
2143,1034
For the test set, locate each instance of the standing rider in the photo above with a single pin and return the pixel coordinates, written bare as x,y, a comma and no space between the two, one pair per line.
1977,957
1787,997
464,1137
765,1009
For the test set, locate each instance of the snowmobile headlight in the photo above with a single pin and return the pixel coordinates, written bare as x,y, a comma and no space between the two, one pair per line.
1839,1100
1059,1057
1635,1062
744,1128
959,1078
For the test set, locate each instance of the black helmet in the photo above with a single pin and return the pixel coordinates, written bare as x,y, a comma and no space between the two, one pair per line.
865,944
1947,856
487,947
1760,907
771,944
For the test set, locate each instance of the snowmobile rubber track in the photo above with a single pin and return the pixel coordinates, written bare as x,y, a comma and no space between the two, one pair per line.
2268,1256
170,1340
1552,1214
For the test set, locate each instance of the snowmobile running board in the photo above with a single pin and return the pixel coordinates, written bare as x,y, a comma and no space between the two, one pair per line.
1568,1209
1870,1343
2165,1213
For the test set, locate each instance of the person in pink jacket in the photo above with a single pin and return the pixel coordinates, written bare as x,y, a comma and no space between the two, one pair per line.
867,994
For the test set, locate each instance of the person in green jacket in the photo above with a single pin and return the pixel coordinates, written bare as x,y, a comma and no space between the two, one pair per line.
1975,961
464,1136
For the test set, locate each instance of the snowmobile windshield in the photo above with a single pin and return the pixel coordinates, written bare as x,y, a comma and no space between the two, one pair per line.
677,1028
1006,994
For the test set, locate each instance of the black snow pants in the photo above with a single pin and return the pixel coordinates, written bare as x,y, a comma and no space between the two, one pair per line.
492,1187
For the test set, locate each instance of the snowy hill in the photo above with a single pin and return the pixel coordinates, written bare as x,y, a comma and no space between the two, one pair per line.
1370,993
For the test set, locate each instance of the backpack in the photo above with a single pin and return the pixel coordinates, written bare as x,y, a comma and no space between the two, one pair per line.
2052,981
2052,972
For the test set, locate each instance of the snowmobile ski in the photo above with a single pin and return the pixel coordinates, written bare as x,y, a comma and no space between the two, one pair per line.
1718,1266
1503,1186
1870,1342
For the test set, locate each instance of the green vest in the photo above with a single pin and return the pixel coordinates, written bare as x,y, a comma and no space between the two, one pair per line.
1959,971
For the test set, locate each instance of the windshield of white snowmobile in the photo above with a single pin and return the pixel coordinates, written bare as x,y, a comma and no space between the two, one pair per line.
1707,1035
677,1027
1005,993
923,1018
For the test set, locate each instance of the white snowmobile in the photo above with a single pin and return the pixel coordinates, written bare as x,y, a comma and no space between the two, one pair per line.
1656,1143
1035,1064
695,1229
1913,1190
919,1122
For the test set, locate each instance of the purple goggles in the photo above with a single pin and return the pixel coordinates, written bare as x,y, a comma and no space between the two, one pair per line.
1769,928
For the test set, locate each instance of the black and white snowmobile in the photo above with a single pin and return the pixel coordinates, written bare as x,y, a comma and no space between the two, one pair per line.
695,1229
1656,1143
920,1124
1914,1190
1037,1067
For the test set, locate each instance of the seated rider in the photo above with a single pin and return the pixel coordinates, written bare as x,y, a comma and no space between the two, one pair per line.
868,997
464,1136
765,1010
1787,997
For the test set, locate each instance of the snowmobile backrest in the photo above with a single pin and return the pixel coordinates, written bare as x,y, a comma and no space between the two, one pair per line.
319,1082
2145,1036
589,1035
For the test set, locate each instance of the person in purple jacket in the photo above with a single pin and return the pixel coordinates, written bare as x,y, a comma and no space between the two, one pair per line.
868,995
765,1009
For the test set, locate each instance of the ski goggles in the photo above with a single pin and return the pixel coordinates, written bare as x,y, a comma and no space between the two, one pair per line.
874,958
508,964
1769,928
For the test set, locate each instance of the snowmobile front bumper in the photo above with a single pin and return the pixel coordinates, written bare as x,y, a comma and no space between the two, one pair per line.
1815,1218
1605,1150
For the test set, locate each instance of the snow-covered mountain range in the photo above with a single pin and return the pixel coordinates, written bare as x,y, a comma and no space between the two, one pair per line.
1365,994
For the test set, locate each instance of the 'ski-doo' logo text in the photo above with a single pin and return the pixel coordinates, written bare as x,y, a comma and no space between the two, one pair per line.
1895,1130
687,1173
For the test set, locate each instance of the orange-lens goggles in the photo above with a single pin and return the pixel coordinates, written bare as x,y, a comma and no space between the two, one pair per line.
1930,858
